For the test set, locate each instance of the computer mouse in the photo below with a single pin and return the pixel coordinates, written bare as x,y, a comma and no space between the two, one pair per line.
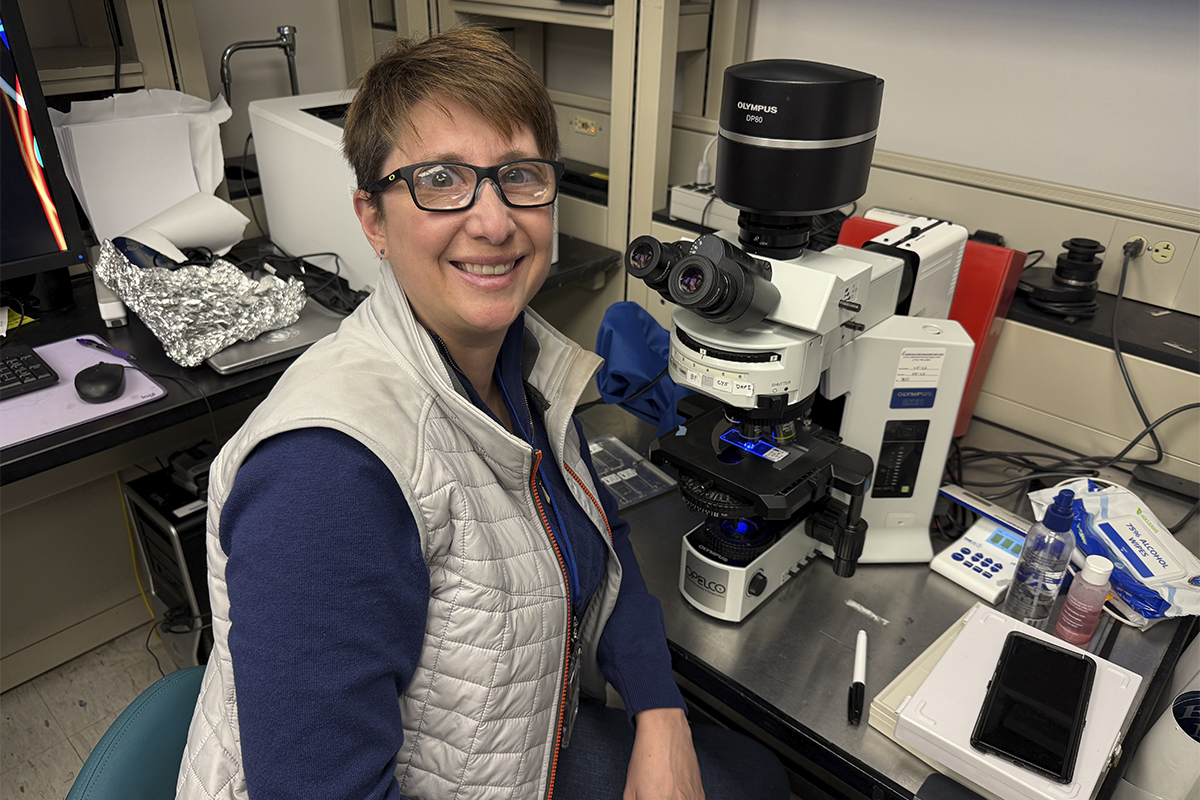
100,383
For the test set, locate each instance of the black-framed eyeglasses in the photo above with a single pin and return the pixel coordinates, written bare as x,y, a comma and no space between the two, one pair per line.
449,186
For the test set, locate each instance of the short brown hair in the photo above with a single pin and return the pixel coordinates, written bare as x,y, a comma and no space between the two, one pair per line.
471,66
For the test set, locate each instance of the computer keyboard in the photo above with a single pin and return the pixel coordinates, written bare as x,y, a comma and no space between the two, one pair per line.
22,370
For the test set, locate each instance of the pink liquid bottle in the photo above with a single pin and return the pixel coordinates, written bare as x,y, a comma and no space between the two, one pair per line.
1085,600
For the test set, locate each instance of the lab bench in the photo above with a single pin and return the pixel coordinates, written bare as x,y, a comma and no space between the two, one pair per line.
782,674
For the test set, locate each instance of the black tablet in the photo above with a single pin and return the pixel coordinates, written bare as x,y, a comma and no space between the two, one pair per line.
1036,706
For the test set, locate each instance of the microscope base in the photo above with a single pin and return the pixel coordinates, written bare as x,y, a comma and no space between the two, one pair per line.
731,592
898,545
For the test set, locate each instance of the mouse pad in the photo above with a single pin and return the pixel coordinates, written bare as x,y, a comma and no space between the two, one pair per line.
58,407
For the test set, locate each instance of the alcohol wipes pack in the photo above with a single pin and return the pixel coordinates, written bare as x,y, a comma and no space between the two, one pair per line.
1155,575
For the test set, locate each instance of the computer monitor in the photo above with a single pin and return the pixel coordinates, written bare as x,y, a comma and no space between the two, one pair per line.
40,234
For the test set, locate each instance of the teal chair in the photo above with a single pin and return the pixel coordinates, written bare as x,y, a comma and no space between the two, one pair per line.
138,757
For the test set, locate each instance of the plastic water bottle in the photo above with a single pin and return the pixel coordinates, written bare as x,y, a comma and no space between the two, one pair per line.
1043,561
1085,600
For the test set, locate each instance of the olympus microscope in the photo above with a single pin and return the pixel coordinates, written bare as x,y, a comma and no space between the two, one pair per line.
824,409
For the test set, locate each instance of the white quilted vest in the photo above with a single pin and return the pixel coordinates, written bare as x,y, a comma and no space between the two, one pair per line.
483,713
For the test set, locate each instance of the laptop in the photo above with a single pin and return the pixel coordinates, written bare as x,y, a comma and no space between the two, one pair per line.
315,323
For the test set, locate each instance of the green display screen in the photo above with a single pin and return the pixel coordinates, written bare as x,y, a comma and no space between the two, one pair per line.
1005,542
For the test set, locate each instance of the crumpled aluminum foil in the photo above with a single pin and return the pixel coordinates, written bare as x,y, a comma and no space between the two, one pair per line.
198,311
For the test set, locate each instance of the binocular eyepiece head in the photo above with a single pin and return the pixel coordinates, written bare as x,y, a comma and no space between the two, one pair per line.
710,276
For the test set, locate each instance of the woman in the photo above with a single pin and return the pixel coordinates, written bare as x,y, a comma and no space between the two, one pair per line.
415,574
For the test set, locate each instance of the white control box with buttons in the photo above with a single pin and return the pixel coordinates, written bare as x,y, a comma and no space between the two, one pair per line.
983,559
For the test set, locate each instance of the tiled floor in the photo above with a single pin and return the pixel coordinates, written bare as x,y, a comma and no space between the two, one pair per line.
49,725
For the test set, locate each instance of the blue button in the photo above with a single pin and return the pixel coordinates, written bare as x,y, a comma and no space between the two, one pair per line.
965,551
957,556
987,561
977,569
997,567
987,575
967,564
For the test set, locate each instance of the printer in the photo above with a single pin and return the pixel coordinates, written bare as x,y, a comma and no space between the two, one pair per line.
307,185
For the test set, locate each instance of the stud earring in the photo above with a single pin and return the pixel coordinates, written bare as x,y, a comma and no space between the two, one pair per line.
381,252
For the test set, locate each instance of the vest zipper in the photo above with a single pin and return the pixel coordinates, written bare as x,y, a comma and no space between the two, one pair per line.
562,565
595,502
572,633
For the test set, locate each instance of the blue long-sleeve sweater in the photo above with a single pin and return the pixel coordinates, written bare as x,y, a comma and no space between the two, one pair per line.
328,595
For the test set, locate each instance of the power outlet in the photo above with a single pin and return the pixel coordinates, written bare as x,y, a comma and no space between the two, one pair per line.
1143,244
588,127
1153,277
1163,252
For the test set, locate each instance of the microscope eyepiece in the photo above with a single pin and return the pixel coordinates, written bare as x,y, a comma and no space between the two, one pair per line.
651,260
698,284
723,284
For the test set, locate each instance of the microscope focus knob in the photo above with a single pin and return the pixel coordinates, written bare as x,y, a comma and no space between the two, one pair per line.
757,584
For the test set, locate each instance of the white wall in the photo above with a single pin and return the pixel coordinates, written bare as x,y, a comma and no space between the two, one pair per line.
257,74
1098,94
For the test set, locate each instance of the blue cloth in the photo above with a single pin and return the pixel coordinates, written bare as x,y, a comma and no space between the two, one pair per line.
329,590
635,349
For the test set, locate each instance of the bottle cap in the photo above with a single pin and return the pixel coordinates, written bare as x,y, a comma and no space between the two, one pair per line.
1096,570
1058,516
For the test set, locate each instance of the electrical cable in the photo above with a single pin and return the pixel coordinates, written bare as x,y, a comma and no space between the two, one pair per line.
212,418
1117,616
138,577
1130,250
329,289
1040,255
1084,467
825,235
703,169
246,186
178,620
704,213
9,299
132,552
157,663
110,12
634,396
1191,512
1069,311
339,302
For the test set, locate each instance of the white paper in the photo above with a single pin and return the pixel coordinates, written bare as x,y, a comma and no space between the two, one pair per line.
201,220
131,170
135,155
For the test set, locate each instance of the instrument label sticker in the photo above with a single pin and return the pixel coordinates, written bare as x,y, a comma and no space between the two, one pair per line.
723,385
695,378
745,389
917,375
